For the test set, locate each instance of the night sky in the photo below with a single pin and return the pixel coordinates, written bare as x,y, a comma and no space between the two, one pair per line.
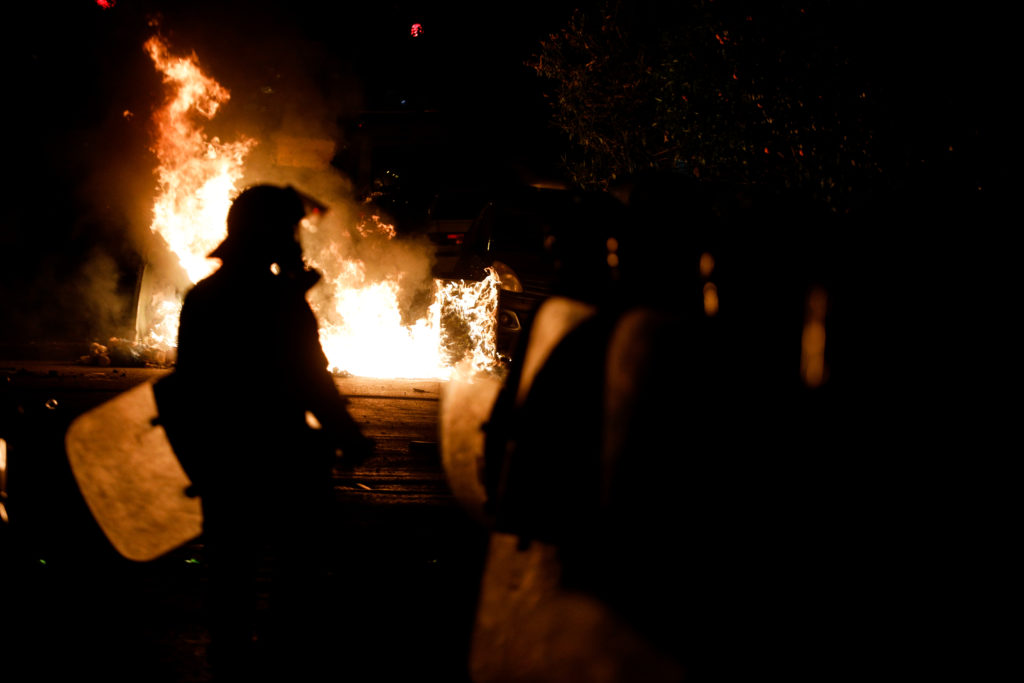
80,90
80,173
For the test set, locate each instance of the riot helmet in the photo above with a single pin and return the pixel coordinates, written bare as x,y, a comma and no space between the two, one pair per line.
263,225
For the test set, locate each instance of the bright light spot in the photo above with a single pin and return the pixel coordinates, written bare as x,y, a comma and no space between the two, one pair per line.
710,299
812,353
3,480
416,30
106,4
612,245
707,264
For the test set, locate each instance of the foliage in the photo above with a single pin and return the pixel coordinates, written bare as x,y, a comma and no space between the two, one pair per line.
750,94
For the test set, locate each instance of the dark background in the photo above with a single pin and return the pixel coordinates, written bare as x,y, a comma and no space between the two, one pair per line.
79,91
930,266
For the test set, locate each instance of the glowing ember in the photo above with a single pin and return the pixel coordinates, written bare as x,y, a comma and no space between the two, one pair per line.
362,327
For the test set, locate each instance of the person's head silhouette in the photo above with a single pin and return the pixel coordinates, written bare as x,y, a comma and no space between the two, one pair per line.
263,232
263,226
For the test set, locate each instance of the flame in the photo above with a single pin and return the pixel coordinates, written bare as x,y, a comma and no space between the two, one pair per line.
197,175
362,329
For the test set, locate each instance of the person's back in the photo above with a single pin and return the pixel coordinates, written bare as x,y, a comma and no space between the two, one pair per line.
250,377
249,352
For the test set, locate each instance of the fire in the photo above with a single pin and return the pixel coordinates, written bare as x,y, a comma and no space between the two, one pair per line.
373,342
362,329
197,175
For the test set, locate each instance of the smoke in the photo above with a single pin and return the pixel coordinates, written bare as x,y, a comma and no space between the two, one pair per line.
82,255
355,234
299,153
72,253
294,96
96,290
65,302
69,254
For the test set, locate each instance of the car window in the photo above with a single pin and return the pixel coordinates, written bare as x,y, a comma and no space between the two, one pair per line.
456,206
517,231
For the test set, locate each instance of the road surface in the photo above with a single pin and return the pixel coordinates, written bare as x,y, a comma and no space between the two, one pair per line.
407,559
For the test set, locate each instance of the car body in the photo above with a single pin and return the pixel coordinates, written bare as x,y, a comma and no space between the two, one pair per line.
449,217
510,236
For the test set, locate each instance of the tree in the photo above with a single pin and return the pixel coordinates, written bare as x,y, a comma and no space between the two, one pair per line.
738,92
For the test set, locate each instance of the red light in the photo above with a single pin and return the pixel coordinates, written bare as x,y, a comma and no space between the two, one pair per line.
106,4
416,31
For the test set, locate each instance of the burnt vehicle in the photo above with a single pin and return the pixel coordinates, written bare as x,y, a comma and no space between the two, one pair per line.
449,218
527,237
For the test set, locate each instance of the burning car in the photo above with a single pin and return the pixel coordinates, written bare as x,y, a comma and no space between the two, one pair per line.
381,313
450,217
512,238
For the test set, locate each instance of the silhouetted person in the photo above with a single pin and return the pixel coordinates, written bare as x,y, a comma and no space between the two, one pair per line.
250,373
555,603
655,434
600,443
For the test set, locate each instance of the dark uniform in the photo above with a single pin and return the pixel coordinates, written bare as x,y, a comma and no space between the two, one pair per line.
250,371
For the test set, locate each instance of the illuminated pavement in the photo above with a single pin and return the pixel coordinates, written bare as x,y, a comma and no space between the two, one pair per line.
405,560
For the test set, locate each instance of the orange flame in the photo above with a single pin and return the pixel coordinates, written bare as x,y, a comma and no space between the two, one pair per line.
362,331
361,327
197,175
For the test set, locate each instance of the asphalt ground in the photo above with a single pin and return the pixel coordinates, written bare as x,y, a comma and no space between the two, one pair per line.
398,605
405,560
